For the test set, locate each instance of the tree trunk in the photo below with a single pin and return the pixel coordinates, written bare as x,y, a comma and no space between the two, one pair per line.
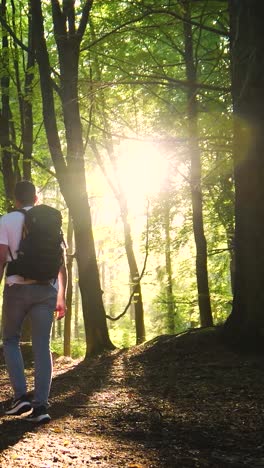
67,322
246,322
206,318
135,279
76,307
6,151
27,107
25,96
71,176
112,298
132,263
169,286
121,199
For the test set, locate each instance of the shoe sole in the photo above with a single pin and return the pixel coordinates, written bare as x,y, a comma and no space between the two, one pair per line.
43,418
20,409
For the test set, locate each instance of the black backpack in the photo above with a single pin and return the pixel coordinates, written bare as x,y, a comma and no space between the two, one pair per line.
40,252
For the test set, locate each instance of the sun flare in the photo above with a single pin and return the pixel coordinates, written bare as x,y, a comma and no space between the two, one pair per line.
142,169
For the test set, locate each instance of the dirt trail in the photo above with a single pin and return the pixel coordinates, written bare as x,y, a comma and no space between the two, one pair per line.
181,401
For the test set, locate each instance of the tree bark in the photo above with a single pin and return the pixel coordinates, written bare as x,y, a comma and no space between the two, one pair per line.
76,307
206,318
6,151
245,324
68,316
27,135
71,171
169,285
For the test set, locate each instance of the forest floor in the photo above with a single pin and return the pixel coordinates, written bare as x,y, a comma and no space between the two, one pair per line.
176,401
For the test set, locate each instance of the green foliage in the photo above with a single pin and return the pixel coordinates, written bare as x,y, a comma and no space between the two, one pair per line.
78,348
159,316
132,86
122,333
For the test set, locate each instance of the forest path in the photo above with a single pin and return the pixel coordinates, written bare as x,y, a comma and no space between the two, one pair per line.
181,401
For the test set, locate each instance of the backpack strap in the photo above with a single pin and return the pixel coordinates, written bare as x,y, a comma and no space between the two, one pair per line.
10,253
9,266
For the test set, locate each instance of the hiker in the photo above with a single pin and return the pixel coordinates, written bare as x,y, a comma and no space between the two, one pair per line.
26,296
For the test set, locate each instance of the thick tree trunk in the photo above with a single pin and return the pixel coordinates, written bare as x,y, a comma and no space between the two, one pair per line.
206,318
246,322
89,283
71,176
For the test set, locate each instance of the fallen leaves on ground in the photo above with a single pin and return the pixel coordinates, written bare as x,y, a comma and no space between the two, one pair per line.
177,401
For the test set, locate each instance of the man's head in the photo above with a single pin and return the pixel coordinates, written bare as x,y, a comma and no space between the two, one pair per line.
25,193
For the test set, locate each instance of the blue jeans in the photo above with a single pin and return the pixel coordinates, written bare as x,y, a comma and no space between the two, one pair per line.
38,301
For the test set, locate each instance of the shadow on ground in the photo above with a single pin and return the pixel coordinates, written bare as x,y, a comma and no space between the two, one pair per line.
184,401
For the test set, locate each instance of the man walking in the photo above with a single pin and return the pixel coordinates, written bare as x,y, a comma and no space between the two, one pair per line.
27,297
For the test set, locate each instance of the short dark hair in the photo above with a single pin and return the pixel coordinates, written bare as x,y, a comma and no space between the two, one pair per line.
25,192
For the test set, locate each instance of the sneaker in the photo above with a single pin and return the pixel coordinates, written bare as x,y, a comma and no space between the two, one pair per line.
19,406
38,415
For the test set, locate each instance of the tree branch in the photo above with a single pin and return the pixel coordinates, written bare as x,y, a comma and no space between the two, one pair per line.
220,32
159,80
14,37
156,12
84,18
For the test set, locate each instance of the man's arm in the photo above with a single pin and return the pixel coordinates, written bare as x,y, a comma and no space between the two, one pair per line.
3,257
61,298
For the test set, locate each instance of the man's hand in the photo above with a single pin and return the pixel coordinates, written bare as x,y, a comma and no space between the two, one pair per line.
60,310
61,303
